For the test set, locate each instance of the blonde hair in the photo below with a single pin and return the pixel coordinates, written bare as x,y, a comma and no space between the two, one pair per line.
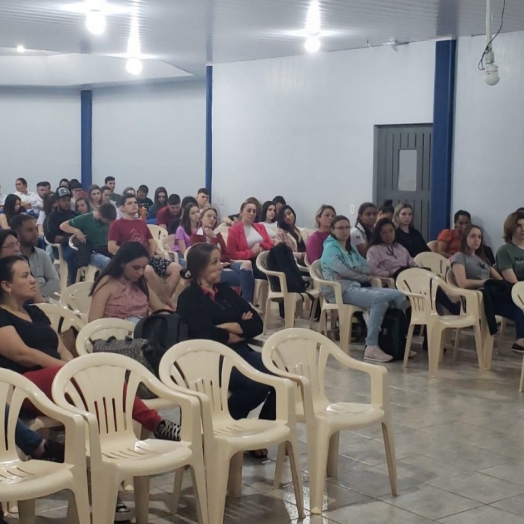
398,209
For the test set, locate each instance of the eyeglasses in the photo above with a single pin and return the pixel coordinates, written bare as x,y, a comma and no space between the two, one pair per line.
12,245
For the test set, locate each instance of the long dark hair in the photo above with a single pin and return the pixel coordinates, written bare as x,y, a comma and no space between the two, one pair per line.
185,221
9,206
387,207
376,239
282,224
480,252
49,202
197,260
4,233
159,190
83,199
115,269
92,188
265,207
6,270
361,210
339,218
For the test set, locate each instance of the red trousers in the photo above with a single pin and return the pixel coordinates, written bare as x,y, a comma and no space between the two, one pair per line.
43,378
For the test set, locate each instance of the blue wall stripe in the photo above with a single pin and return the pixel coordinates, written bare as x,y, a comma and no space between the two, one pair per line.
209,128
86,131
442,147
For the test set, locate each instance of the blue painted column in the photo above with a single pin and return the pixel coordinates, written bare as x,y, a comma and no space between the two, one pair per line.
86,133
442,146
209,128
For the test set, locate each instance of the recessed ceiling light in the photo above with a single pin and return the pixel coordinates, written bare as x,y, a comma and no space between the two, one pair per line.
20,49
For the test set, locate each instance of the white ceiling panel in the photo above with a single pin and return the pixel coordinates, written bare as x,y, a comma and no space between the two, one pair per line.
190,33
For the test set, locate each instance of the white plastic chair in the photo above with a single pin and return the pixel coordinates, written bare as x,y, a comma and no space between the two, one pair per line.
345,311
434,262
290,299
102,388
517,294
421,286
61,263
301,355
165,248
25,481
158,233
77,298
196,365
61,318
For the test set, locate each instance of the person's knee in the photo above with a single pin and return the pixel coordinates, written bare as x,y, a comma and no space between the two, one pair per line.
174,269
246,265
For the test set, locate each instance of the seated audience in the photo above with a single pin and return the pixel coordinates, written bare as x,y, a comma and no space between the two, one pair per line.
28,199
110,182
279,202
9,245
290,234
385,255
142,198
106,196
406,235
77,192
94,196
64,183
82,206
233,219
237,273
41,266
247,239
449,239
472,270
163,275
42,189
121,289
213,311
315,242
386,210
160,201
268,218
167,215
188,225
202,198
93,229
129,190
361,233
49,205
12,207
510,257
342,263
55,235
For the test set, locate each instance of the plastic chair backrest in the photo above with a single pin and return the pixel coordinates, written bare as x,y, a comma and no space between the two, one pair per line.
103,328
517,294
432,244
316,274
61,318
433,261
417,283
77,297
168,242
158,232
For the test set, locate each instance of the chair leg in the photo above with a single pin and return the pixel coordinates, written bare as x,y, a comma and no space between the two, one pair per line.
322,322
502,332
344,320
104,495
217,471
318,450
78,509
141,499
235,475
281,458
314,306
290,307
177,489
199,484
435,341
479,346
296,473
408,345
267,309
389,444
457,343
521,385
332,461
26,511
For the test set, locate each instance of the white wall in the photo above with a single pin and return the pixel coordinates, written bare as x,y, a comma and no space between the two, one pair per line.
303,126
489,134
39,136
153,135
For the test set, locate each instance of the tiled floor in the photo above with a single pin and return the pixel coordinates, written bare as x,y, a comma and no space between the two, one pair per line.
460,455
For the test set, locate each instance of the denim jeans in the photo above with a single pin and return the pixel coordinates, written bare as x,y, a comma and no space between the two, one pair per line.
70,259
377,301
235,276
98,260
26,439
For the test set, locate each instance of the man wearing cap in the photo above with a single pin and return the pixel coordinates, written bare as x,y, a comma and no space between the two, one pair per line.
55,235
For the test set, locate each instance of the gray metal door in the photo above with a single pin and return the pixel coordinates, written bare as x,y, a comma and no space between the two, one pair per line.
403,168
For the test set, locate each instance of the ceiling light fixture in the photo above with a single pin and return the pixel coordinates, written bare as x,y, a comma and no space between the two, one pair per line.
20,49
134,64
95,16
487,62
313,44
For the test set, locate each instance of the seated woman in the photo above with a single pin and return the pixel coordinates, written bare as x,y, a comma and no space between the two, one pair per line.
449,239
472,269
247,239
387,257
121,289
231,220
361,233
290,234
238,274
160,201
315,242
510,257
49,205
12,206
386,210
94,196
213,311
342,263
268,218
188,225
406,235
82,206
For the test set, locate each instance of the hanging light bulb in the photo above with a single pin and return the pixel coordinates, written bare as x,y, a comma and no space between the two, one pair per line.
95,16
134,64
312,44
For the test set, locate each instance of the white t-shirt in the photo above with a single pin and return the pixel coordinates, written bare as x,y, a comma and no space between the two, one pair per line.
33,198
41,218
252,236
358,235
271,229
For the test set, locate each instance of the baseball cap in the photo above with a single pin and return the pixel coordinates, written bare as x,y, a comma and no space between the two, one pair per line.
63,192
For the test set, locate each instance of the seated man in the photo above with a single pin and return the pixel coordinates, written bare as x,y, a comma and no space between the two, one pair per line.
41,266
93,228
169,213
129,228
142,198
449,239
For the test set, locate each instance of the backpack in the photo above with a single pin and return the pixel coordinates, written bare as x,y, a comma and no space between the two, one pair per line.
280,258
393,333
163,329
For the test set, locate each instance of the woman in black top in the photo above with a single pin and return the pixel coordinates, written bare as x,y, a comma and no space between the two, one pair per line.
406,235
213,311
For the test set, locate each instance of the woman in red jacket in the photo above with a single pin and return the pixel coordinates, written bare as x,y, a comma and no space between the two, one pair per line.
247,239
236,274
